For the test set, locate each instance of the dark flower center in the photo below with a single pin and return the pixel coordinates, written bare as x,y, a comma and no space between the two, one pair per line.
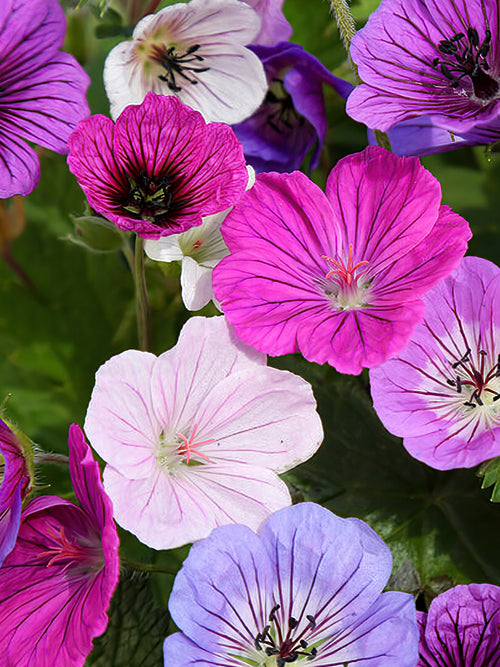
282,114
177,64
475,378
287,647
149,198
462,56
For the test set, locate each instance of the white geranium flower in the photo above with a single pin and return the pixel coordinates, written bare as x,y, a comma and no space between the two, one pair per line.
199,249
195,51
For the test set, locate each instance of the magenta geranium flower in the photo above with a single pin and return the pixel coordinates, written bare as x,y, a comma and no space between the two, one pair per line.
42,90
159,168
441,392
194,438
337,277
461,628
14,485
306,590
439,58
57,583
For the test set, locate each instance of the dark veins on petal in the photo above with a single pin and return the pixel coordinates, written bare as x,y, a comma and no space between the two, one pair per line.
287,647
177,64
149,198
464,56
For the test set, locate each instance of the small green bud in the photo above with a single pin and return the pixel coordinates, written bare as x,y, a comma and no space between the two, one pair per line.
97,234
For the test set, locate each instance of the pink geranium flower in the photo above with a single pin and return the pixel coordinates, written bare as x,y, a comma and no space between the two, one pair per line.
194,438
57,583
159,168
337,277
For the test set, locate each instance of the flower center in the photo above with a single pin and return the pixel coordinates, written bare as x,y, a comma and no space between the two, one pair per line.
149,198
73,553
480,384
177,63
349,292
287,646
464,56
282,114
174,450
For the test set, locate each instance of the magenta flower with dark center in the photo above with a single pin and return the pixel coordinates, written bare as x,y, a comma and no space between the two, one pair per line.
338,277
462,628
57,583
14,485
439,58
159,168
42,90
441,392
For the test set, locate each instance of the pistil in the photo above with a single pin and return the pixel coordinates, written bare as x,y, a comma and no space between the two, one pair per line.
477,378
150,197
286,648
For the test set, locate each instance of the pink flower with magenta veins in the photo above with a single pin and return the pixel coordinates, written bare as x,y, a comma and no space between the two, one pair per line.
194,438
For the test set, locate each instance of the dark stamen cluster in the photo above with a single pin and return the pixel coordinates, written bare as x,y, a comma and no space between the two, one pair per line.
474,377
286,648
465,56
283,113
150,197
176,64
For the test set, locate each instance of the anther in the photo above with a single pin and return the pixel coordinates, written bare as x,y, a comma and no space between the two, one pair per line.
272,612
311,620
292,623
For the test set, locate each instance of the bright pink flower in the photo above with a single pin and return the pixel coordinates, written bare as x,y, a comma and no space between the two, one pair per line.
57,583
194,438
159,168
337,277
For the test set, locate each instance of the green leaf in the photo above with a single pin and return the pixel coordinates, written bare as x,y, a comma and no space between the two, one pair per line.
490,472
137,628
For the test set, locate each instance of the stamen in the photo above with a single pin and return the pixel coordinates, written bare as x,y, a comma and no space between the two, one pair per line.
286,648
176,64
344,274
150,197
189,447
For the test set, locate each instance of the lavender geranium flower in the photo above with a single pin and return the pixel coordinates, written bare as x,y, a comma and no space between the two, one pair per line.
14,485
429,57
292,117
462,628
56,585
159,168
337,277
305,590
195,51
42,90
194,438
441,392
274,26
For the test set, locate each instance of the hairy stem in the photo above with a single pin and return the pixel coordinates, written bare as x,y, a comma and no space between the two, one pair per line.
141,297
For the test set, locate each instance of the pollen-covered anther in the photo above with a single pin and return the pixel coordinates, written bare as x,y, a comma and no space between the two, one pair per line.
189,447
344,274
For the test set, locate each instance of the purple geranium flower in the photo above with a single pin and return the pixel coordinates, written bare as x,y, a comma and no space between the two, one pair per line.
337,277
159,168
440,393
56,585
194,438
428,57
305,590
274,26
14,485
462,628
292,117
42,90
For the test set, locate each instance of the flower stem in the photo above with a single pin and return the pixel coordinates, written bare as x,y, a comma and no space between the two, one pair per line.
141,297
146,567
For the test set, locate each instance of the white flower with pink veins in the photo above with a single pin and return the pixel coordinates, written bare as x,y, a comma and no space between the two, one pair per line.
195,51
195,438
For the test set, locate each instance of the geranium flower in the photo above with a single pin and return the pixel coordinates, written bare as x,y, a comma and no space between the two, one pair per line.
305,590
199,250
42,90
274,26
292,116
194,438
195,51
462,628
14,485
428,57
56,585
337,277
159,168
441,392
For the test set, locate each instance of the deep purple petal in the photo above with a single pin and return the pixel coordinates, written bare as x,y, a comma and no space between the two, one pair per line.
19,165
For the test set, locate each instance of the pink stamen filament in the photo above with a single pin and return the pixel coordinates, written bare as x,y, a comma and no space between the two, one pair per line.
344,274
189,447
66,550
